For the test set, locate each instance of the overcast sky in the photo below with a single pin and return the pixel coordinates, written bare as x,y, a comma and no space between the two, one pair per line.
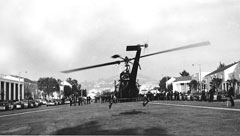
44,37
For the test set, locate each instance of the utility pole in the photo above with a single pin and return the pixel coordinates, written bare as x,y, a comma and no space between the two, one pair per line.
200,77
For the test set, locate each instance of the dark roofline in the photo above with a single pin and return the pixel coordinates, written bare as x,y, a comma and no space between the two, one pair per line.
184,78
221,69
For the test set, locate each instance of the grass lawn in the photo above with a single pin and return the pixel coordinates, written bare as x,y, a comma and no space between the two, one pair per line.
170,118
154,119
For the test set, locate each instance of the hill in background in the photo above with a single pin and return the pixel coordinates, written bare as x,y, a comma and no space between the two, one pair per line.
109,82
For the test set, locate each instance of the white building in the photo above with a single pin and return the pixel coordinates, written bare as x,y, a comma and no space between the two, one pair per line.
226,73
11,87
149,86
181,84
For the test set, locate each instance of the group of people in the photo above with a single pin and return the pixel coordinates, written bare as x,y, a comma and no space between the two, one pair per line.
230,95
169,96
80,100
175,95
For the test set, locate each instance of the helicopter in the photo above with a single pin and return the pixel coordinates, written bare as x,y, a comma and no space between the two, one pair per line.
128,86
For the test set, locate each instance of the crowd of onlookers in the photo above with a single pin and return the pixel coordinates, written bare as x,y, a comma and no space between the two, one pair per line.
79,100
210,96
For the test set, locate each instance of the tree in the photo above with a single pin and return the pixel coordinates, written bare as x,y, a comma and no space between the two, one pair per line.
162,83
170,87
48,85
75,87
59,81
184,73
67,91
216,82
221,65
106,92
193,84
84,91
233,82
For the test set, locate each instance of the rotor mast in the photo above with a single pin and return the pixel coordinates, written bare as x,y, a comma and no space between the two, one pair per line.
134,71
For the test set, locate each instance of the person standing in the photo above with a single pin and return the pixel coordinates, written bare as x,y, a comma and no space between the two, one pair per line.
70,101
145,100
203,97
114,99
110,101
87,99
211,93
75,100
79,101
231,95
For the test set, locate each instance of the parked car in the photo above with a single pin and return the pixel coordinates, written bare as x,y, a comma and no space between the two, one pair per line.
10,105
44,102
6,105
67,101
31,104
40,101
3,106
58,101
35,103
25,104
28,103
18,105
50,103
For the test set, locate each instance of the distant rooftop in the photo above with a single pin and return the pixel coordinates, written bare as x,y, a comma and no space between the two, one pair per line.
221,69
184,78
11,77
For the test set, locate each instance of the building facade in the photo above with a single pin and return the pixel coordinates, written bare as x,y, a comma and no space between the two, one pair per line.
227,75
11,87
181,84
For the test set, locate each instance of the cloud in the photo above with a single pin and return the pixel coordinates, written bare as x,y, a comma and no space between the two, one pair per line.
49,36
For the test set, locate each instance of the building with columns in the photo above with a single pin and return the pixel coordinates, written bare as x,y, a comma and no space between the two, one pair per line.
11,87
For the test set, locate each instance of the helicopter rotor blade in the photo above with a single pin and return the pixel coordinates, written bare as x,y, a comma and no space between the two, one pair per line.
93,66
118,62
178,48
